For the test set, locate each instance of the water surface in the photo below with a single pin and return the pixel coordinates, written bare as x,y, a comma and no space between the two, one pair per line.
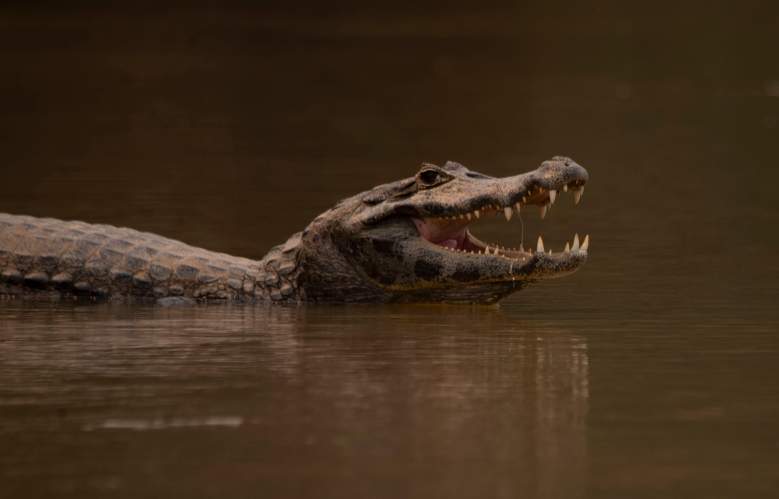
653,371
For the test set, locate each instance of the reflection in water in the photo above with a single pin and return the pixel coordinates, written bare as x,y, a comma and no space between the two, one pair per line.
562,391
389,400
162,424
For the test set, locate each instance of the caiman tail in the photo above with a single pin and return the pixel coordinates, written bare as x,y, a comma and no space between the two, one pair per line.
45,257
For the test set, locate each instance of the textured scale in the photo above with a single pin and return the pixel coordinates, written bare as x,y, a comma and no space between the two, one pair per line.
368,248
45,257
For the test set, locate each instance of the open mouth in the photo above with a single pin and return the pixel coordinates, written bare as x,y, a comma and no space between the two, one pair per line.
451,232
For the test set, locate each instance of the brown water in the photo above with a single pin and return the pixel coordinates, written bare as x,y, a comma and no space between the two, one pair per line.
652,372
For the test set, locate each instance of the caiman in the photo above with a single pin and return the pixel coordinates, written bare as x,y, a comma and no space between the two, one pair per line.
405,241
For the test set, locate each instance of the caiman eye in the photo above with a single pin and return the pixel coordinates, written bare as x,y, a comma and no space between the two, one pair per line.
430,177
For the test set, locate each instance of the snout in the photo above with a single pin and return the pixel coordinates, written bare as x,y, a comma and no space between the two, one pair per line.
562,170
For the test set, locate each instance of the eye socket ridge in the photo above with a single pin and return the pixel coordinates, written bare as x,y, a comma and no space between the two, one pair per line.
430,177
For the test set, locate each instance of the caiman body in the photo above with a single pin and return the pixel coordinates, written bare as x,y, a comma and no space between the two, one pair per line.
42,257
403,241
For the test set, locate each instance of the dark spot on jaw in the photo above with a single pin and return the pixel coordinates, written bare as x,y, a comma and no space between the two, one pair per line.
386,248
466,275
380,271
386,279
427,270
383,246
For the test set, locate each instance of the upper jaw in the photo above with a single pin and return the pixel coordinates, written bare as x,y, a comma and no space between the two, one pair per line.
456,200
539,187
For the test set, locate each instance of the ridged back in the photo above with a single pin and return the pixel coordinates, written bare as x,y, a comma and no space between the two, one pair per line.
76,258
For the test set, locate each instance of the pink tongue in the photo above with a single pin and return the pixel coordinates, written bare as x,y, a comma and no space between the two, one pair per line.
450,235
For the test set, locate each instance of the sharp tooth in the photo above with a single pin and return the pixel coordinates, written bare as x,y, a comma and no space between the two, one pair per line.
550,251
476,213
577,194
586,243
508,212
524,199
565,187
552,196
517,207
468,216
522,248
567,247
575,246
543,210
540,245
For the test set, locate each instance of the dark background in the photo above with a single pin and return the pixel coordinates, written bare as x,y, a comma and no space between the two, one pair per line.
652,372
231,124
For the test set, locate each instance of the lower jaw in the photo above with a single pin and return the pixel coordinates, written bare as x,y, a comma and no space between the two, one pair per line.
459,238
471,244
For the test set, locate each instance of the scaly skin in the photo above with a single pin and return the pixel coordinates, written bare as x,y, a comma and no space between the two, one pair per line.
377,246
44,257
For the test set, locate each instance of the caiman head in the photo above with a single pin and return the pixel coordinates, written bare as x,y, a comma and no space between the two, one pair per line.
410,240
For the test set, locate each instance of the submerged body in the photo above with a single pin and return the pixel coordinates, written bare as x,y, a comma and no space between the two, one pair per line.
404,241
